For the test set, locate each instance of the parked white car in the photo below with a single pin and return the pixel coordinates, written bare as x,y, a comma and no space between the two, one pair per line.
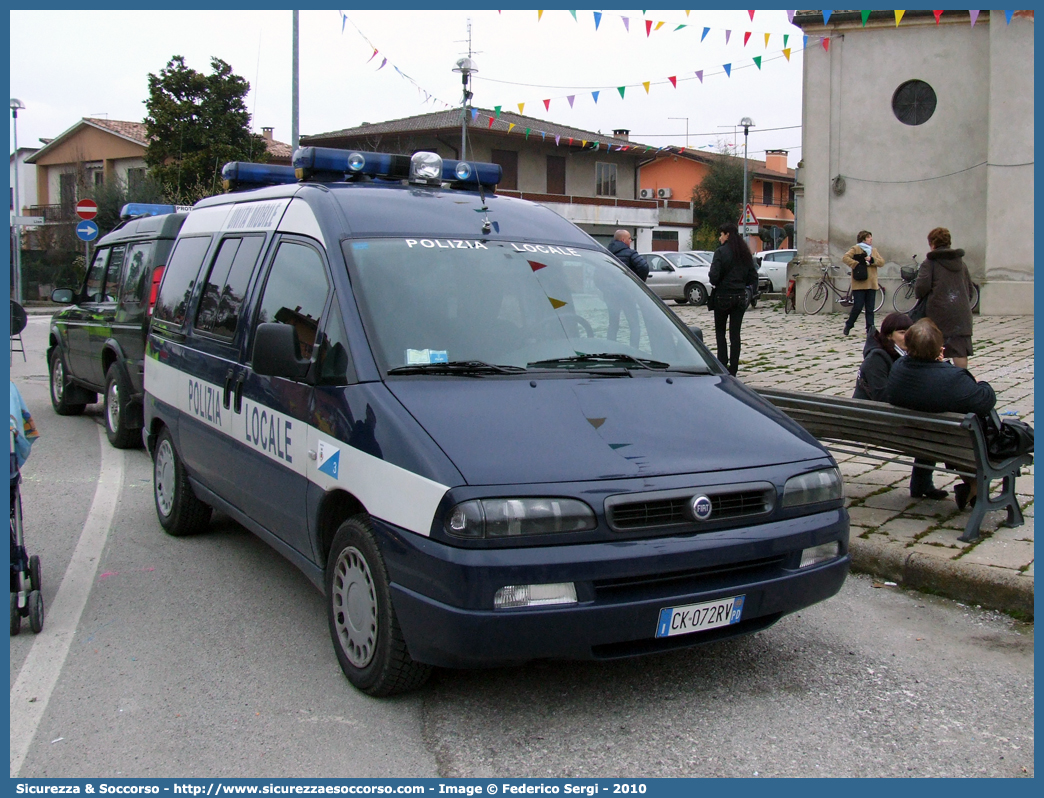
772,268
680,276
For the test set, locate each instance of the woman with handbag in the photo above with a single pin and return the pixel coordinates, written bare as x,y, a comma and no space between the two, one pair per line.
732,271
924,381
863,259
944,280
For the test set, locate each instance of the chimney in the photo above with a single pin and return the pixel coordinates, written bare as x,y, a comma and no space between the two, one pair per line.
267,133
622,133
776,160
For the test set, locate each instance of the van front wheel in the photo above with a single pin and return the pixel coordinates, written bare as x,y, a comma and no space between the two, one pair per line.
119,426
365,632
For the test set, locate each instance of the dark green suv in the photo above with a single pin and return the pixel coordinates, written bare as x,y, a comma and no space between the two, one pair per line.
97,345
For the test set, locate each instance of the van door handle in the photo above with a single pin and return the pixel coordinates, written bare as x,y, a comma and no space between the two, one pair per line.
226,396
239,393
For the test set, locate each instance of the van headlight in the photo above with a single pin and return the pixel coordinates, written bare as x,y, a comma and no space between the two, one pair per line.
501,518
813,488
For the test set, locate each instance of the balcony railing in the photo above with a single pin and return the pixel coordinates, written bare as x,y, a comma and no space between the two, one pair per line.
53,213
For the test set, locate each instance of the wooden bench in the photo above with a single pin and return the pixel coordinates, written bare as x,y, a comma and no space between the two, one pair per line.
951,438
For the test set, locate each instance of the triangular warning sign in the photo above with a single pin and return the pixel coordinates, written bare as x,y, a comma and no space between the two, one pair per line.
749,217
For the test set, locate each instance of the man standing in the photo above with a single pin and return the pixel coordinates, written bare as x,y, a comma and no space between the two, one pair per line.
620,246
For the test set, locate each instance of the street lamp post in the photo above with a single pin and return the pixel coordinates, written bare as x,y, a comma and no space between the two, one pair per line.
746,123
17,104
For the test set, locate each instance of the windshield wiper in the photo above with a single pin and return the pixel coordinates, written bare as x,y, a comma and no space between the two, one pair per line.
464,367
608,358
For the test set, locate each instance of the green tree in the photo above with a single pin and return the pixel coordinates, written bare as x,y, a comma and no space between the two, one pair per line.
718,199
112,195
196,124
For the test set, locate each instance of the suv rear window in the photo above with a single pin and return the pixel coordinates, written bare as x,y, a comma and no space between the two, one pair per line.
179,278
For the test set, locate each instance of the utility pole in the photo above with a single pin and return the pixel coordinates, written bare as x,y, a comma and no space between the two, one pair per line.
295,98
16,104
466,67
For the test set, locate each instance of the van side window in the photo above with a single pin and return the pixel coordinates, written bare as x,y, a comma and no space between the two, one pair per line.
179,278
135,266
335,366
226,285
295,292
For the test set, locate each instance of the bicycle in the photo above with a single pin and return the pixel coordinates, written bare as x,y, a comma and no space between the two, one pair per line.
816,296
904,297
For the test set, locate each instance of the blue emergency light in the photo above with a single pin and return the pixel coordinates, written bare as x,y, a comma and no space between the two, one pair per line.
241,174
326,163
133,210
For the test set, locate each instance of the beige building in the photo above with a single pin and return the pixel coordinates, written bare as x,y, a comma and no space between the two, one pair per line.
920,125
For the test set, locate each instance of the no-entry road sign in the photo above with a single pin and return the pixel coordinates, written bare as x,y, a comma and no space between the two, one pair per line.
87,209
87,230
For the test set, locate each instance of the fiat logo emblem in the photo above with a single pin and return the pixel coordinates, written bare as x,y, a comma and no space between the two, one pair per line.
701,508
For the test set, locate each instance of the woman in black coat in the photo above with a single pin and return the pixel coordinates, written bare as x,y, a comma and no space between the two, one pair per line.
944,279
732,271
924,381
883,347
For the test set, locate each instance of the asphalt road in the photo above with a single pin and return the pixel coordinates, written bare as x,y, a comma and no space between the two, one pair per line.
210,656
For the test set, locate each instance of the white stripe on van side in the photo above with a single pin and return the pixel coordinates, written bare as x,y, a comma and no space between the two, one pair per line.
389,492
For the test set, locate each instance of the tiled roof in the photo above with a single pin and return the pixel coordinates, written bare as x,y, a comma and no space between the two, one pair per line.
278,149
754,166
450,120
130,130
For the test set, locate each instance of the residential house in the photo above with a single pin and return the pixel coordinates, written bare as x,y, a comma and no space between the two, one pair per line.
916,123
94,151
676,171
589,178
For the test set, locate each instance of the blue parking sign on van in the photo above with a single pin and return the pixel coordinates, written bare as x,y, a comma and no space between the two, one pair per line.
435,401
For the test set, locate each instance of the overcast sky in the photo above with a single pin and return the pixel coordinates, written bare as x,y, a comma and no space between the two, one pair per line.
96,63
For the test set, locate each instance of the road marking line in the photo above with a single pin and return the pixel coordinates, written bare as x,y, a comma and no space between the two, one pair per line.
42,667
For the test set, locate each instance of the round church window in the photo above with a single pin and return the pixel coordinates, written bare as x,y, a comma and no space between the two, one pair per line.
913,102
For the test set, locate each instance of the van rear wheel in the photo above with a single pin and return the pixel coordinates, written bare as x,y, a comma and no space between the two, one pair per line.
365,632
180,512
61,391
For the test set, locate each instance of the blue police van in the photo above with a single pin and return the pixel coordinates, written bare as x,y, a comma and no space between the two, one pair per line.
477,433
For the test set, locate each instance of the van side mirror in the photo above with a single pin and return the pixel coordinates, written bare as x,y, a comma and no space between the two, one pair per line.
64,296
275,352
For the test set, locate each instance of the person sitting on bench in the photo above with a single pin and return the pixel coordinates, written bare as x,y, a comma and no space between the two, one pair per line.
924,381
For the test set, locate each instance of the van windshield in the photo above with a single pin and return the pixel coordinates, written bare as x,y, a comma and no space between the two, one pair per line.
531,306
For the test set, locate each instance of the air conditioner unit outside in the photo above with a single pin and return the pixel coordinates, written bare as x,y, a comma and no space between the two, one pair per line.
664,193
647,193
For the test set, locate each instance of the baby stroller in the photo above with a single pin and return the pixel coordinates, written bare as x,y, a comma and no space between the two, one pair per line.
26,584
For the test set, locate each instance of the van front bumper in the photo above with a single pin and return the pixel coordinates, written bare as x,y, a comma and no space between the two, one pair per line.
443,596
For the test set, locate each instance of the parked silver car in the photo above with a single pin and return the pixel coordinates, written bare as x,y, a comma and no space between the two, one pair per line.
772,268
680,276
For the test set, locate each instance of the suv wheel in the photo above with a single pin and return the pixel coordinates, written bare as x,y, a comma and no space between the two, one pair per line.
365,631
61,390
180,512
119,412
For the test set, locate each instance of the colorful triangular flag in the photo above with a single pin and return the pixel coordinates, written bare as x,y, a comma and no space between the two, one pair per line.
521,106
785,37
648,26
866,16
497,108
510,125
574,15
790,17
751,15
728,70
974,16
937,15
705,32
826,42
767,40
699,74
1008,15
646,84
621,90
572,97
547,105
746,38
826,16
898,16
597,19
674,80
539,15
786,53
558,138
627,24
595,95
728,33
757,61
